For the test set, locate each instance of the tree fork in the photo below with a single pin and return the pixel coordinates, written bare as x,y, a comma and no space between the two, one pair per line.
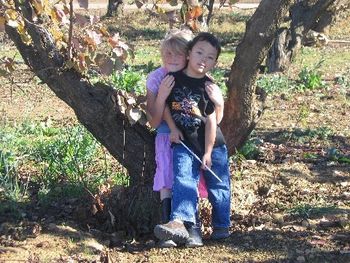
304,16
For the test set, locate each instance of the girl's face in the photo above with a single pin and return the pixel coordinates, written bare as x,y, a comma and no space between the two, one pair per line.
201,59
173,61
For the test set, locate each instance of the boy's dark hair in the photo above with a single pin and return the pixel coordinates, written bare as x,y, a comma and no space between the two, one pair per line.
205,36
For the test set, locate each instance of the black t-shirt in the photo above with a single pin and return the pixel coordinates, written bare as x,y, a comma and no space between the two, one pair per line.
189,106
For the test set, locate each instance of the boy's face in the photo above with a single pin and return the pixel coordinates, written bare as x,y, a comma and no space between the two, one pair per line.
173,61
201,59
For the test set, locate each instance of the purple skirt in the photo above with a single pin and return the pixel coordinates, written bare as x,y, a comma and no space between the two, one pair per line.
164,160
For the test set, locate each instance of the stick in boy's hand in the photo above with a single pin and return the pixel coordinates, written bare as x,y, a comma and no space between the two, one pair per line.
195,156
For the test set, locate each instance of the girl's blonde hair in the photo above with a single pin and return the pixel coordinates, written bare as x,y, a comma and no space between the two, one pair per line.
177,40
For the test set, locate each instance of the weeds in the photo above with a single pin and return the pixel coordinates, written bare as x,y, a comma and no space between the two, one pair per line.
334,154
219,77
307,211
250,149
343,81
303,114
69,155
310,78
10,185
130,81
275,83
58,156
309,135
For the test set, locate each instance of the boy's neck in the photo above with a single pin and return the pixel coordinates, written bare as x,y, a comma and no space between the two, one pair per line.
192,75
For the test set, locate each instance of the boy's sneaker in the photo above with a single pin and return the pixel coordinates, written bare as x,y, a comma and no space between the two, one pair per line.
166,244
195,237
220,233
174,230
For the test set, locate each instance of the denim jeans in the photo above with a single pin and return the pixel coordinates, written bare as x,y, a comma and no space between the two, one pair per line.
185,187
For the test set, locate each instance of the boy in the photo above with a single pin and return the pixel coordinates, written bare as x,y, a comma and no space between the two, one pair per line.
194,115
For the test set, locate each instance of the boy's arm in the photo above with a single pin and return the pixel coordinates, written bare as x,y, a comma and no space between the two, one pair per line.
156,103
210,134
216,97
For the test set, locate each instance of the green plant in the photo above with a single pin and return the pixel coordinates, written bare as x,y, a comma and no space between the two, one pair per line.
250,149
218,75
67,157
343,81
308,155
129,80
307,210
10,186
66,161
310,78
273,83
309,135
303,114
335,155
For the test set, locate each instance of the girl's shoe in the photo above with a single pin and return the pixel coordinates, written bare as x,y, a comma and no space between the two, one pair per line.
220,233
195,237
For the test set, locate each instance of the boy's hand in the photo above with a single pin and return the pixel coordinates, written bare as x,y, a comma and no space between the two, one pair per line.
206,160
214,93
176,135
166,86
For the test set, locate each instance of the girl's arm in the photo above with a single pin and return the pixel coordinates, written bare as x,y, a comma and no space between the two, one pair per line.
175,133
216,97
156,102
210,134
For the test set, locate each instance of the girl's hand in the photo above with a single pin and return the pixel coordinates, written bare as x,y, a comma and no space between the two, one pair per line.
166,86
206,160
214,93
176,135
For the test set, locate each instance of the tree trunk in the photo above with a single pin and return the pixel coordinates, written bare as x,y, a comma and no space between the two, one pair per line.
280,55
113,7
96,108
304,16
329,16
210,7
241,114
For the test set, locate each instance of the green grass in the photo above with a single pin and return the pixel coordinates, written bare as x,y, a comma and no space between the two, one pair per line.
308,211
274,83
63,161
309,135
334,60
147,54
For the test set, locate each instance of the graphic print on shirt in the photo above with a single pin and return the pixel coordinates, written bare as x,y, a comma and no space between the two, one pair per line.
185,106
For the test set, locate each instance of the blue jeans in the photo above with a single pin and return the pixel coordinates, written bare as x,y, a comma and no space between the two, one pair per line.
185,187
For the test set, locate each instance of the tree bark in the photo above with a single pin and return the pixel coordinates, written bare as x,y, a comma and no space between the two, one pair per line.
330,15
210,7
113,7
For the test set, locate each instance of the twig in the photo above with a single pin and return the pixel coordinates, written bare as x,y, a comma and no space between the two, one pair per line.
70,29
195,156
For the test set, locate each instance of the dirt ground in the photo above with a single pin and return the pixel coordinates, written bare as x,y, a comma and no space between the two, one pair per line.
288,205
